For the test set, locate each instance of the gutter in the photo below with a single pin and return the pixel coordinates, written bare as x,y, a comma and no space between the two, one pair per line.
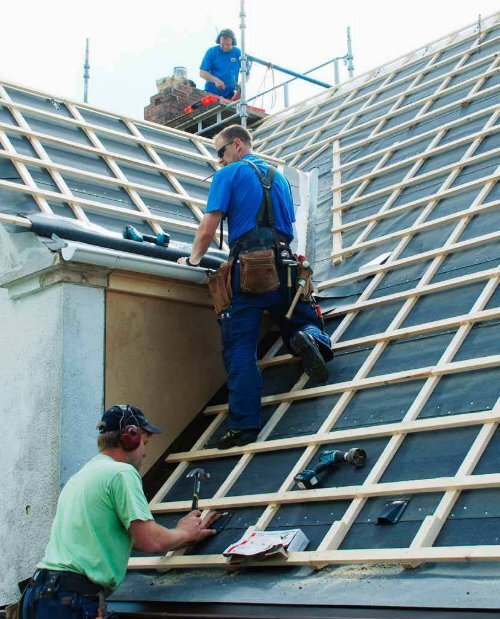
74,251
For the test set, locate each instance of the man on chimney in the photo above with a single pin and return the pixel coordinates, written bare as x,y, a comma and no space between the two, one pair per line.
221,65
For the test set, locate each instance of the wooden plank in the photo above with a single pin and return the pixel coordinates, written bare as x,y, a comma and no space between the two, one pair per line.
14,219
480,363
389,266
366,490
337,436
159,287
337,198
330,557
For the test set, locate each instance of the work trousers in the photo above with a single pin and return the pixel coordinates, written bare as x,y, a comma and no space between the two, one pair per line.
52,595
240,328
60,605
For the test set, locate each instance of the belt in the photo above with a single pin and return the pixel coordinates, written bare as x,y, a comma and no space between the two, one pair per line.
66,581
261,238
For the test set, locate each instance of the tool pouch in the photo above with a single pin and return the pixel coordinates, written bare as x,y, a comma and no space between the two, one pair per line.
258,273
13,611
219,285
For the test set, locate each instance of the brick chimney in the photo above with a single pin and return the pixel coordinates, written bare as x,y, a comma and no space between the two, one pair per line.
174,94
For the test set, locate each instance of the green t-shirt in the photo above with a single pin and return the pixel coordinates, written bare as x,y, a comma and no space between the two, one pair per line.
90,530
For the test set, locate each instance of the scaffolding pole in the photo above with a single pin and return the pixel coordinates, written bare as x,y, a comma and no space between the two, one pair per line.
86,74
243,111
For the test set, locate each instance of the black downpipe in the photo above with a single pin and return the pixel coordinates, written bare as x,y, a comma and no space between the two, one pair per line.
47,226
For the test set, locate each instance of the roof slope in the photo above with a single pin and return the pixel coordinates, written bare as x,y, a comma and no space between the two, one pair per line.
70,160
407,161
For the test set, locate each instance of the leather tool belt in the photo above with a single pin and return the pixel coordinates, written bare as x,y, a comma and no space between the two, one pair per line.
219,286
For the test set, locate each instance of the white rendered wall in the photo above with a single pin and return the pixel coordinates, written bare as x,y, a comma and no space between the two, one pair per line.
51,396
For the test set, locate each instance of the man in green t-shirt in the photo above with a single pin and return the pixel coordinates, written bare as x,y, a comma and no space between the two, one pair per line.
101,515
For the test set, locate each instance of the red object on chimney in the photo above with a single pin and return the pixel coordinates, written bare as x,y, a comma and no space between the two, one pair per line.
209,99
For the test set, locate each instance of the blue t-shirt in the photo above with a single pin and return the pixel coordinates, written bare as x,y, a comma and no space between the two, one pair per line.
225,66
237,192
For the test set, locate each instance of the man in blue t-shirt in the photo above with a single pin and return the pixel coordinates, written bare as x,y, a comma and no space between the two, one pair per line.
237,193
220,66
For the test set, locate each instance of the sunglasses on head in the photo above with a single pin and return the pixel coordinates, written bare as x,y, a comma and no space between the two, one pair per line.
222,149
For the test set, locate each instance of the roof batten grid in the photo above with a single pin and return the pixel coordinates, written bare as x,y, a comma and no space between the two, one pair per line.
100,206
432,525
479,363
197,212
103,130
388,266
372,75
60,192
118,180
487,130
106,113
418,225
356,493
197,140
120,176
25,174
295,131
397,128
319,145
338,532
415,76
352,119
409,427
99,152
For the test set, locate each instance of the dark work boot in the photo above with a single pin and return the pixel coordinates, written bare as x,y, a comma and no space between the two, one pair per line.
237,438
305,347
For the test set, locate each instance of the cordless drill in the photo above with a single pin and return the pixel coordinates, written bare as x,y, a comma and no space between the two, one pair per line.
162,238
308,478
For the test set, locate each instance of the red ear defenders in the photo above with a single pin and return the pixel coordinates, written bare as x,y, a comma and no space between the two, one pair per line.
130,438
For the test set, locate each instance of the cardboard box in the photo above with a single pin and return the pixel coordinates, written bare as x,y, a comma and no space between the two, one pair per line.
263,544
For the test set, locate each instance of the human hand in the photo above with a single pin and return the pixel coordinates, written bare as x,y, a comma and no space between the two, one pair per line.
195,528
220,84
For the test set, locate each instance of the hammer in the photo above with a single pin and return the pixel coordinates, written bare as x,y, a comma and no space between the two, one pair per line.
198,475
304,273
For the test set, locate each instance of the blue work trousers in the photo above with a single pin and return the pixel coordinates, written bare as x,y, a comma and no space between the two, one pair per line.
40,604
240,328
